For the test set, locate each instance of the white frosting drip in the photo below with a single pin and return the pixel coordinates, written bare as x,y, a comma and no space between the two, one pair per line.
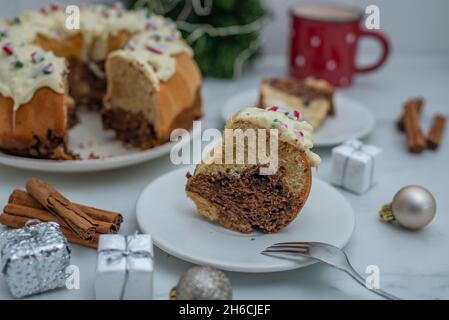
20,82
296,132
154,49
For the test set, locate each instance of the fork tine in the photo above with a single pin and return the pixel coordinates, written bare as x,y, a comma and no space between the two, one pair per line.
289,255
308,244
289,245
287,250
304,250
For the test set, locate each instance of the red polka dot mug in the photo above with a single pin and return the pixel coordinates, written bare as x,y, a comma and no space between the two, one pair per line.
324,41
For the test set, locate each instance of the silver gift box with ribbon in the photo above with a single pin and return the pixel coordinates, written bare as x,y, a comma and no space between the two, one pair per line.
34,258
354,166
124,267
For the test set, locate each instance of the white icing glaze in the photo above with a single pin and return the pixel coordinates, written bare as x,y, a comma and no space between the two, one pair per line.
21,82
296,132
154,49
97,23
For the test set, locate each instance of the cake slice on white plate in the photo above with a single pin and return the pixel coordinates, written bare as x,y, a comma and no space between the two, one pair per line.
239,196
313,98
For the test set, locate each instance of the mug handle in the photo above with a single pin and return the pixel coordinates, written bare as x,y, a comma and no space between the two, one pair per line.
385,50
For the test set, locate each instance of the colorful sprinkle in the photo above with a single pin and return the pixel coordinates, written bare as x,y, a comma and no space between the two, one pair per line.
294,115
129,46
118,6
300,134
3,34
37,56
7,49
155,37
147,13
48,68
273,108
153,49
17,64
150,25
172,37
14,21
43,10
54,6
105,13
278,122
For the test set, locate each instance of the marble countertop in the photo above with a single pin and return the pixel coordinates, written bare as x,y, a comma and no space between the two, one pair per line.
412,264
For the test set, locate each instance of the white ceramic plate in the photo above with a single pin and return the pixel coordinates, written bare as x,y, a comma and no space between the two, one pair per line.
353,120
87,138
165,212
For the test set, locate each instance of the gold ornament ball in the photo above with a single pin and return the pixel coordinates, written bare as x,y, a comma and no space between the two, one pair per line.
413,207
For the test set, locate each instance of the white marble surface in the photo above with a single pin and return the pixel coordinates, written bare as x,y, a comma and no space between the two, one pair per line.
412,264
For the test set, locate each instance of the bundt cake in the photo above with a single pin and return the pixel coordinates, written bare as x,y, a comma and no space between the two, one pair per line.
312,97
131,65
238,195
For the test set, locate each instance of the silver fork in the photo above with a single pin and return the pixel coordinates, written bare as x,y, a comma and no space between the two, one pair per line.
327,253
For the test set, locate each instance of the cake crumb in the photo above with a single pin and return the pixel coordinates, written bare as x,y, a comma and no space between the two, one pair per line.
93,156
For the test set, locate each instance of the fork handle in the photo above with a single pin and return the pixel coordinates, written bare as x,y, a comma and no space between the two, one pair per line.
361,280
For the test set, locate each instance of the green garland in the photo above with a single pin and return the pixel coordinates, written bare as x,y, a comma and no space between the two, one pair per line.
224,34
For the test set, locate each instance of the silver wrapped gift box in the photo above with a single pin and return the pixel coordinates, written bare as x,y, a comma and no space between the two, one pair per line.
34,258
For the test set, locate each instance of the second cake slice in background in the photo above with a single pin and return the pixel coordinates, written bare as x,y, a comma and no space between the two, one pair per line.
313,98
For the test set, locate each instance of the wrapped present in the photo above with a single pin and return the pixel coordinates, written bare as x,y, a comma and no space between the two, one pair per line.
34,258
354,166
124,267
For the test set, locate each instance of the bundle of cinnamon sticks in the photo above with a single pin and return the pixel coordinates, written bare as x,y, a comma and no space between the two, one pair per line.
410,124
80,224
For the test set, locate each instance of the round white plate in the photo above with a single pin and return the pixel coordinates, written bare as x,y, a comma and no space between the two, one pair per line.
353,120
86,138
165,212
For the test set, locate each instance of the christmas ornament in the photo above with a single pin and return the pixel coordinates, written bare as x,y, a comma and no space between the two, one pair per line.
224,34
413,207
202,283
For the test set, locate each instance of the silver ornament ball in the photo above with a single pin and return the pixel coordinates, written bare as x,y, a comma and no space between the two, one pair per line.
204,283
413,207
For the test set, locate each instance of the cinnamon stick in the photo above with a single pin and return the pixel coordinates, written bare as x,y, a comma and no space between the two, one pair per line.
436,131
23,198
417,103
415,138
45,216
77,221
13,221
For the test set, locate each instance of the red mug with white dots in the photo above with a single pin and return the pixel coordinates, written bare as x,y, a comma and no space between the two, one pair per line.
324,41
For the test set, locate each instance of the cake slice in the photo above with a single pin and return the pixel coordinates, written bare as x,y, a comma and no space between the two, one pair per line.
312,97
153,88
239,196
35,109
